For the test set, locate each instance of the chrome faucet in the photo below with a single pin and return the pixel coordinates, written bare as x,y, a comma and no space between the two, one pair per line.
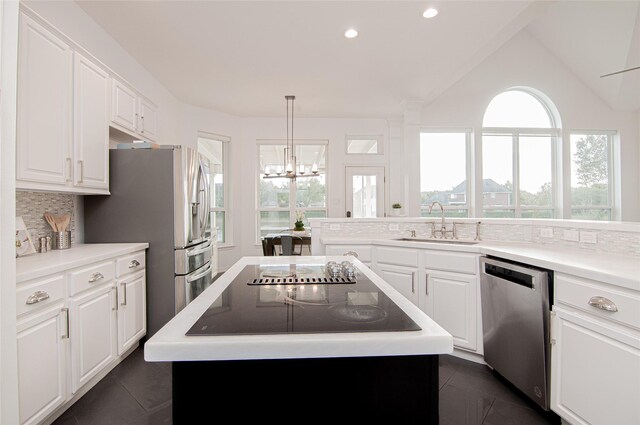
443,228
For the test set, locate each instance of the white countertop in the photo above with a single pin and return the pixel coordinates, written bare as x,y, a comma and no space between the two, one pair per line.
171,343
614,269
37,265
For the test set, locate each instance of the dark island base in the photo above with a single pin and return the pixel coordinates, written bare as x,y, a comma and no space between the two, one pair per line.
401,390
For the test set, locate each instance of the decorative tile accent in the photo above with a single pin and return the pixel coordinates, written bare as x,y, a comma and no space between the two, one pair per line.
31,206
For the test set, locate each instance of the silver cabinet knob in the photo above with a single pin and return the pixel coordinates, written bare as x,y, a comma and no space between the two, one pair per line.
36,297
603,304
133,264
95,277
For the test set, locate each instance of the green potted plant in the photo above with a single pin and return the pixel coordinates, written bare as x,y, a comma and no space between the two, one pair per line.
396,209
299,223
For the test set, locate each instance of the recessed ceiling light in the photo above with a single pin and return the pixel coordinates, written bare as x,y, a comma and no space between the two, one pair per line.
351,33
430,13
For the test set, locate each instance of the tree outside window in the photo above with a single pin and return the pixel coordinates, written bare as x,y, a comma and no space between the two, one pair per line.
591,196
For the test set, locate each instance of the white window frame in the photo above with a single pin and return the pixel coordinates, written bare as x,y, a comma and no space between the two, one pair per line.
612,189
515,133
377,137
292,187
227,237
468,168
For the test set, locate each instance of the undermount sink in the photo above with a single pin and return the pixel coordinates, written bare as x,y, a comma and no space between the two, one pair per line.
446,241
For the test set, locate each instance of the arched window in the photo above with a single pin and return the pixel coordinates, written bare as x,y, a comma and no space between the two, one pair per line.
518,144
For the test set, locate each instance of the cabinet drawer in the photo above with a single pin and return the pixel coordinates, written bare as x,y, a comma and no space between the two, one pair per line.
130,264
457,262
398,256
578,293
363,251
34,295
89,277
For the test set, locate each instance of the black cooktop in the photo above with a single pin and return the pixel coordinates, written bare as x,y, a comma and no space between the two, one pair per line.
291,299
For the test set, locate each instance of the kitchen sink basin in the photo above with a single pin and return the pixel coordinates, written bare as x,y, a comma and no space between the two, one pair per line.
443,241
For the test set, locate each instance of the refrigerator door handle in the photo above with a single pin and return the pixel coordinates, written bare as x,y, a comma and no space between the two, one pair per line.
204,180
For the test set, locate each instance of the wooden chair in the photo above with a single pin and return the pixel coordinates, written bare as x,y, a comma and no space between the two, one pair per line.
267,249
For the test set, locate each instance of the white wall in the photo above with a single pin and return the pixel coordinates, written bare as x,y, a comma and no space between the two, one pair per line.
523,61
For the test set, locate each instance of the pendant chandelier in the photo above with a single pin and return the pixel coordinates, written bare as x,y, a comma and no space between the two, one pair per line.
290,167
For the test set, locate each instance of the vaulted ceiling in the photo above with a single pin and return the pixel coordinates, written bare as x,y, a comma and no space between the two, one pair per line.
242,57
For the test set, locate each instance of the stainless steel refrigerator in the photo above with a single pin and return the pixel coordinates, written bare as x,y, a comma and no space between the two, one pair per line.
160,196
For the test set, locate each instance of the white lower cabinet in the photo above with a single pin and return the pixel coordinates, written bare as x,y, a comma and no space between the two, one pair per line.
451,300
403,279
364,252
595,373
399,267
132,321
595,352
42,365
93,333
73,326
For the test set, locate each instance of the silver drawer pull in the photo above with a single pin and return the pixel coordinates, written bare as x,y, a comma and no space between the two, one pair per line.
603,304
352,253
36,297
95,276
134,264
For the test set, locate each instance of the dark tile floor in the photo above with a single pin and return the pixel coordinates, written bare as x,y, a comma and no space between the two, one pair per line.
139,393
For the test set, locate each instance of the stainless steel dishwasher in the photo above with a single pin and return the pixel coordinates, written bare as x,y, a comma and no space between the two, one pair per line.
515,320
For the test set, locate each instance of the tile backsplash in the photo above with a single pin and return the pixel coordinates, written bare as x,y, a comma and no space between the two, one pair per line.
31,206
609,239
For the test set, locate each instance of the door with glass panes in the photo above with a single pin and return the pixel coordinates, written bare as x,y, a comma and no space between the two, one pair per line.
364,192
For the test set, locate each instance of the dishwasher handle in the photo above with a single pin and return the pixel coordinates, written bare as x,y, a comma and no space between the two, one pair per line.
510,272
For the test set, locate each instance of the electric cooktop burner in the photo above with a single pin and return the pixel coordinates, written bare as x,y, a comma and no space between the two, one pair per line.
290,299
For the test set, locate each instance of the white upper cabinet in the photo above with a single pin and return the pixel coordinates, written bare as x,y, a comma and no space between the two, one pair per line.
132,112
45,80
148,119
66,102
124,108
63,121
91,130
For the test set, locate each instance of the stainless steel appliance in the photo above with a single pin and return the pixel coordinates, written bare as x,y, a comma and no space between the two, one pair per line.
160,196
515,320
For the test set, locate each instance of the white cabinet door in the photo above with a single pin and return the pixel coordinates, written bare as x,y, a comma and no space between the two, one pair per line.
148,119
595,371
91,125
403,279
44,113
132,323
364,252
42,363
451,300
124,106
93,333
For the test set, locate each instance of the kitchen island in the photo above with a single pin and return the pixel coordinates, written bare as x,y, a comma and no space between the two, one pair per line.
307,349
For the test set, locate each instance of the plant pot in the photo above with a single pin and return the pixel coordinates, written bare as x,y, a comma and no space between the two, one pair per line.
396,211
